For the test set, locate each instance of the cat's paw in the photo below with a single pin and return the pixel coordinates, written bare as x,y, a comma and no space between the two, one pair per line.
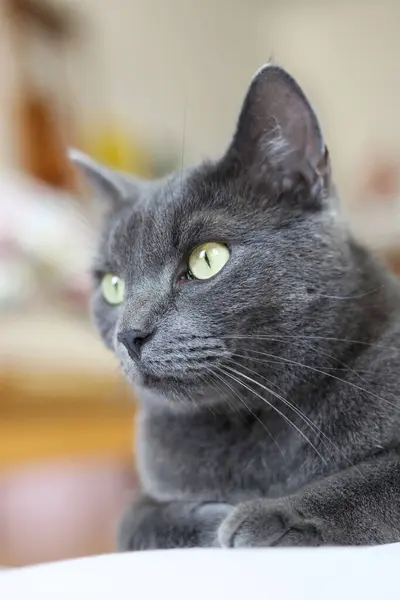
149,525
268,523
212,512
209,517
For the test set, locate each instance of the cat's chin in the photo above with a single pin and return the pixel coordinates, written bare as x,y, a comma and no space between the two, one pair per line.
161,384
172,391
182,389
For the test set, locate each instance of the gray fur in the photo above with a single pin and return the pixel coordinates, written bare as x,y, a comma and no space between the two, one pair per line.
269,394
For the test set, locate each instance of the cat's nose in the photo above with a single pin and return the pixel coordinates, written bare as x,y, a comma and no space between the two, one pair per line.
133,340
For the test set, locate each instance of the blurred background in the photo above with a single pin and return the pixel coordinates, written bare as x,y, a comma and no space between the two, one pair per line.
145,86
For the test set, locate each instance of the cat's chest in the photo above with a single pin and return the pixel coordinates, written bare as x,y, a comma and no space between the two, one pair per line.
206,458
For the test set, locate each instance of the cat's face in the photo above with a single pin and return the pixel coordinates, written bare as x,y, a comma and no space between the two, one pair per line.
194,270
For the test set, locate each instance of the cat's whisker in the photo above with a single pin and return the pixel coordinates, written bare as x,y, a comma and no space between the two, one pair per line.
203,378
317,370
277,361
355,296
218,391
283,337
301,343
170,189
285,417
345,367
300,413
282,365
332,358
289,404
242,401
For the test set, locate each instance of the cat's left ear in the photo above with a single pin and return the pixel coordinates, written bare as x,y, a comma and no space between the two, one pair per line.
105,182
278,136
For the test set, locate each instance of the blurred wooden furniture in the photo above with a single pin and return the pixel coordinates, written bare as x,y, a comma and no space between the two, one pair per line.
66,431
60,392
39,33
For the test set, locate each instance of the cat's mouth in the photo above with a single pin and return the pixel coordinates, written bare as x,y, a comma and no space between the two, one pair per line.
184,373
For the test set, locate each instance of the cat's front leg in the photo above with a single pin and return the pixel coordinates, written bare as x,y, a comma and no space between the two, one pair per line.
264,522
150,525
359,506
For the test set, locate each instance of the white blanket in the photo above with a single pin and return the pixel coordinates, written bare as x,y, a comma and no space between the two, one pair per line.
273,574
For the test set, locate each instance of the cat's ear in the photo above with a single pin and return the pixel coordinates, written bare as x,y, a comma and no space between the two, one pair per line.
278,135
105,182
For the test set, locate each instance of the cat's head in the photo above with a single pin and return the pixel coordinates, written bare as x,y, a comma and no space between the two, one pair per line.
196,269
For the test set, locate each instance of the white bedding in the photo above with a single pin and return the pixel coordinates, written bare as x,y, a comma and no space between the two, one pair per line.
301,574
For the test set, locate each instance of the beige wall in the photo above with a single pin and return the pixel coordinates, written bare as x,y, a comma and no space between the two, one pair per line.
150,61
159,59
155,64
7,85
346,54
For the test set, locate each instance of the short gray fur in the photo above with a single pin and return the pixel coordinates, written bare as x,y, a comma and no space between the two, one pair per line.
269,394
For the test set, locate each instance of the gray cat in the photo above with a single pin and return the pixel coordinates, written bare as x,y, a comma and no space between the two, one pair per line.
263,341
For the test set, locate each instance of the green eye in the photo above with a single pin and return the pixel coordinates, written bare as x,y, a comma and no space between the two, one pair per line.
206,260
113,288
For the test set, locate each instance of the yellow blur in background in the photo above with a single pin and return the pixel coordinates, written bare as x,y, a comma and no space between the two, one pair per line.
145,86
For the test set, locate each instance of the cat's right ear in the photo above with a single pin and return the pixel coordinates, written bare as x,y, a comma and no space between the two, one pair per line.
105,182
278,136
